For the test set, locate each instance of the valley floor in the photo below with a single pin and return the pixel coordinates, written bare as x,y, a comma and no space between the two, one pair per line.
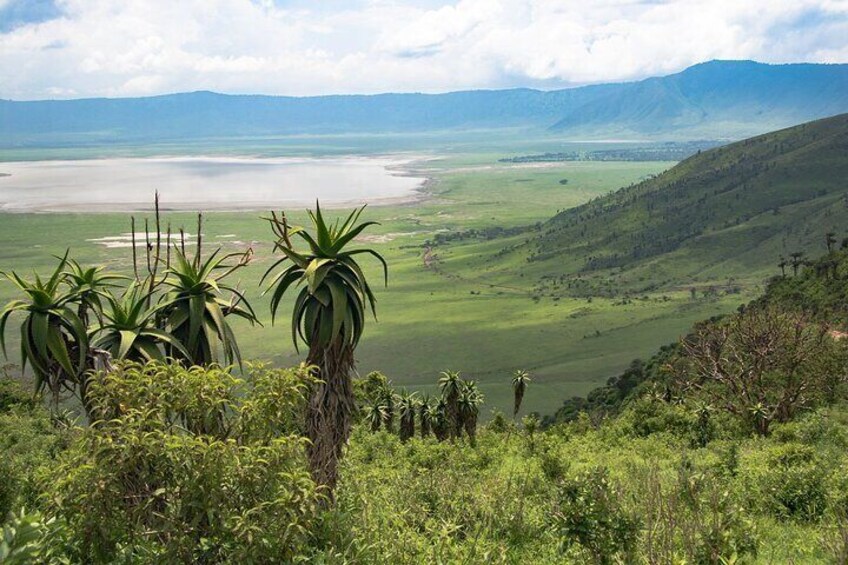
440,309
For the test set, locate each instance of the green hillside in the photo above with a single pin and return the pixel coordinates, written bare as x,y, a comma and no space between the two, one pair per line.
727,212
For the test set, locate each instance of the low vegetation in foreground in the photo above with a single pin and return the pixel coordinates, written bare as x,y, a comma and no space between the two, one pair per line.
727,447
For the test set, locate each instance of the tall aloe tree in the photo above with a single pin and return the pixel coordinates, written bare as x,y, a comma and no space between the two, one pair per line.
424,416
375,413
329,317
128,330
195,312
54,340
407,406
520,380
450,382
470,399
439,420
387,399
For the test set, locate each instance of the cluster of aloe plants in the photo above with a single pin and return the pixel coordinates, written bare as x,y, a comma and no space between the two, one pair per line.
177,307
451,415
81,318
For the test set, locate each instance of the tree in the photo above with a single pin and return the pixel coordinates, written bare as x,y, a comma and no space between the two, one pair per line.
520,380
439,420
450,383
797,260
469,402
424,416
54,340
329,317
782,265
407,407
830,240
375,413
387,399
762,365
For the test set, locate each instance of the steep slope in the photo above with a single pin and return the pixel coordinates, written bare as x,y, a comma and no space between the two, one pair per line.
720,99
729,211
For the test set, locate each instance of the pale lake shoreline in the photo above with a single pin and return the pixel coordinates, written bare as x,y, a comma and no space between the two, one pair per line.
400,175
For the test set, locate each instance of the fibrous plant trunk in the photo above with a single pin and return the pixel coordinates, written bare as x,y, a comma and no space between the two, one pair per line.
519,396
470,424
330,412
424,419
452,414
407,425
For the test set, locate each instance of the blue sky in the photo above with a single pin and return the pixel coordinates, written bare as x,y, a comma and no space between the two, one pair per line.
82,48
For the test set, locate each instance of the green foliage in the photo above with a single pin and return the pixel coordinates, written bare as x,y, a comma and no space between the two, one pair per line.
331,303
588,513
128,331
789,481
196,314
54,341
91,285
188,465
30,538
28,441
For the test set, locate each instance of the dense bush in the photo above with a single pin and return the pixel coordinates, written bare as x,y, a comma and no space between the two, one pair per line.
588,512
28,441
194,465
787,481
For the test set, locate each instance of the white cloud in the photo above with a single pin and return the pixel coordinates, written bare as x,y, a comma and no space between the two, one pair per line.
119,48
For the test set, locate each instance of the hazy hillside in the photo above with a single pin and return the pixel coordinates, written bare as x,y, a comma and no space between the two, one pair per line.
721,99
732,210
725,97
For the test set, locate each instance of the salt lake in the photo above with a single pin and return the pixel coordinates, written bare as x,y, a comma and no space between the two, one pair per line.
204,183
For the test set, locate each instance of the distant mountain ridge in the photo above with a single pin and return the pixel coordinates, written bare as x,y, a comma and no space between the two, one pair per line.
727,99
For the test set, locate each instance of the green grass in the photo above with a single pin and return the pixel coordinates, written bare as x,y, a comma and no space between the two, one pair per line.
429,320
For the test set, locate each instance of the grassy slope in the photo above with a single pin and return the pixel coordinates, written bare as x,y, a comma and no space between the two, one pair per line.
726,213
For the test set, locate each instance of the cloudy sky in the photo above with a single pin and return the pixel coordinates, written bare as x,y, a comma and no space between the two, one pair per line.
82,48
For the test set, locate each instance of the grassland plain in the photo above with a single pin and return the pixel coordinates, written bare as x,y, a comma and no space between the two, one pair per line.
444,312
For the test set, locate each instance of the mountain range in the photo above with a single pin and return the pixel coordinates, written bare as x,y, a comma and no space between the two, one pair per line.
717,99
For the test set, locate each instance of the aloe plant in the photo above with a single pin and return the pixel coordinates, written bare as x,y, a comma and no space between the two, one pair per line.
329,317
375,413
470,399
450,382
91,284
520,380
195,313
54,340
128,330
407,406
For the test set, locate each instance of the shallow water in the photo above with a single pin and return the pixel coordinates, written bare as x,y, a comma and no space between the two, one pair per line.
202,183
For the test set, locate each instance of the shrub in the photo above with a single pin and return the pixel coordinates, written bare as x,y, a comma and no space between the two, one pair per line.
789,481
588,512
28,441
191,465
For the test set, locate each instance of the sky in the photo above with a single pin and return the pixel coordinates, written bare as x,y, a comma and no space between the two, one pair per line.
118,48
